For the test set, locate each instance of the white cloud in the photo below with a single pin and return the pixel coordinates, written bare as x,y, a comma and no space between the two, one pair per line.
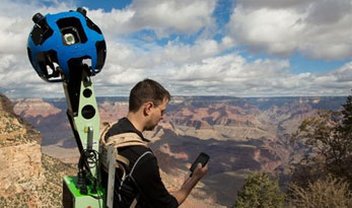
275,4
170,16
205,67
114,23
343,74
173,54
183,53
233,75
163,17
275,31
318,28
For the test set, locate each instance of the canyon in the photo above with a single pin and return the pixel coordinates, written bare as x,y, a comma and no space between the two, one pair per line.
240,135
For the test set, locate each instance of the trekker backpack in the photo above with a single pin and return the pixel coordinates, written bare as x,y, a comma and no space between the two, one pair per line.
111,160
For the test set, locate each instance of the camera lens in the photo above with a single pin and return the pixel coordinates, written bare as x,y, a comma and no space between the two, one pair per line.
69,39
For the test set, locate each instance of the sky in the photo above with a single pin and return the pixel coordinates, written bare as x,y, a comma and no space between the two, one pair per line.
243,48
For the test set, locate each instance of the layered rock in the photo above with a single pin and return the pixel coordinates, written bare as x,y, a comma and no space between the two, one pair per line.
21,168
27,177
20,154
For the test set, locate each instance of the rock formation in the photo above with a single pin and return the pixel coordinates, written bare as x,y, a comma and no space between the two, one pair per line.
27,177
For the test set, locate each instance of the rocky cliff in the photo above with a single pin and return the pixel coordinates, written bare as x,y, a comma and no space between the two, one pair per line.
27,177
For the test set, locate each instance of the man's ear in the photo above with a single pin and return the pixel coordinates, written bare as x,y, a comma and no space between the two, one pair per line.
147,108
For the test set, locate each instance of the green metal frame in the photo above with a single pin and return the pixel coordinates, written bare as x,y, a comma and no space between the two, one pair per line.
84,118
73,198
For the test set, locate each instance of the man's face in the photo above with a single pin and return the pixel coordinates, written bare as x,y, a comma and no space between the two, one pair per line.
156,115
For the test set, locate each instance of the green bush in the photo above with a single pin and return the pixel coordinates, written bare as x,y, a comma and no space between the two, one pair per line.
259,191
328,193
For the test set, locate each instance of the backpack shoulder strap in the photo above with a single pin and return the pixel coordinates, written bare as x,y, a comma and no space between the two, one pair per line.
118,141
139,159
125,139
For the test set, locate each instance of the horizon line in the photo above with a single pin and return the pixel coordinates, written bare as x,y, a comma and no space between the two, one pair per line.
215,96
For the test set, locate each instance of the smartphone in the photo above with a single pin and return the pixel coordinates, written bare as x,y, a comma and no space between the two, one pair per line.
202,159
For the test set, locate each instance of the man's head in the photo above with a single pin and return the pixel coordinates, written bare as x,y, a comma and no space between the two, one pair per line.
151,98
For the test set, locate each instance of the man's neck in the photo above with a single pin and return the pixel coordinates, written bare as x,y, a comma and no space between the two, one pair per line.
136,121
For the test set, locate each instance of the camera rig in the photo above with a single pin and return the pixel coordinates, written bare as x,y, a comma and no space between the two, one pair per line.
68,47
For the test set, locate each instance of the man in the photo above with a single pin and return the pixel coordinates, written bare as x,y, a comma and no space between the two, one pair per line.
147,104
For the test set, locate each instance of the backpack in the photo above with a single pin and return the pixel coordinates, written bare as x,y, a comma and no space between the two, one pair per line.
111,160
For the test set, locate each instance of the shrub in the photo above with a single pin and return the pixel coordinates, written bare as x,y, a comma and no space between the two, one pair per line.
328,193
260,191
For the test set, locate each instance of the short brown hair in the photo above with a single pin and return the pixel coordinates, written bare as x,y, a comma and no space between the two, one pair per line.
147,90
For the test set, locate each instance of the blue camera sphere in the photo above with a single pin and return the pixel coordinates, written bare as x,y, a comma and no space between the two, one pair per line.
58,43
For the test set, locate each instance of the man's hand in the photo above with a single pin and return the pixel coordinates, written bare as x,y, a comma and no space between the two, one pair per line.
200,171
190,182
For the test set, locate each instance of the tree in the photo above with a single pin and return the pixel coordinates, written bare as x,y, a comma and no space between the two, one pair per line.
259,191
342,163
328,142
346,124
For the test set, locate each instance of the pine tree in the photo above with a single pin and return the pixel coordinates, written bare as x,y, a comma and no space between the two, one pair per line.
347,115
341,162
259,191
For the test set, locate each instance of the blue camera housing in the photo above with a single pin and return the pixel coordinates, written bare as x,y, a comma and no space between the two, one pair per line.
58,43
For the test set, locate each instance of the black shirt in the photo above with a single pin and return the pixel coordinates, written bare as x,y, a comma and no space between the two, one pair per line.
146,183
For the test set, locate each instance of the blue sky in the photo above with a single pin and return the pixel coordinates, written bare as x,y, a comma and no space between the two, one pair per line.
201,47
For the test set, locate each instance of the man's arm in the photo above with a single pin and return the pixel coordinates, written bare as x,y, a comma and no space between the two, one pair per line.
189,183
153,191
